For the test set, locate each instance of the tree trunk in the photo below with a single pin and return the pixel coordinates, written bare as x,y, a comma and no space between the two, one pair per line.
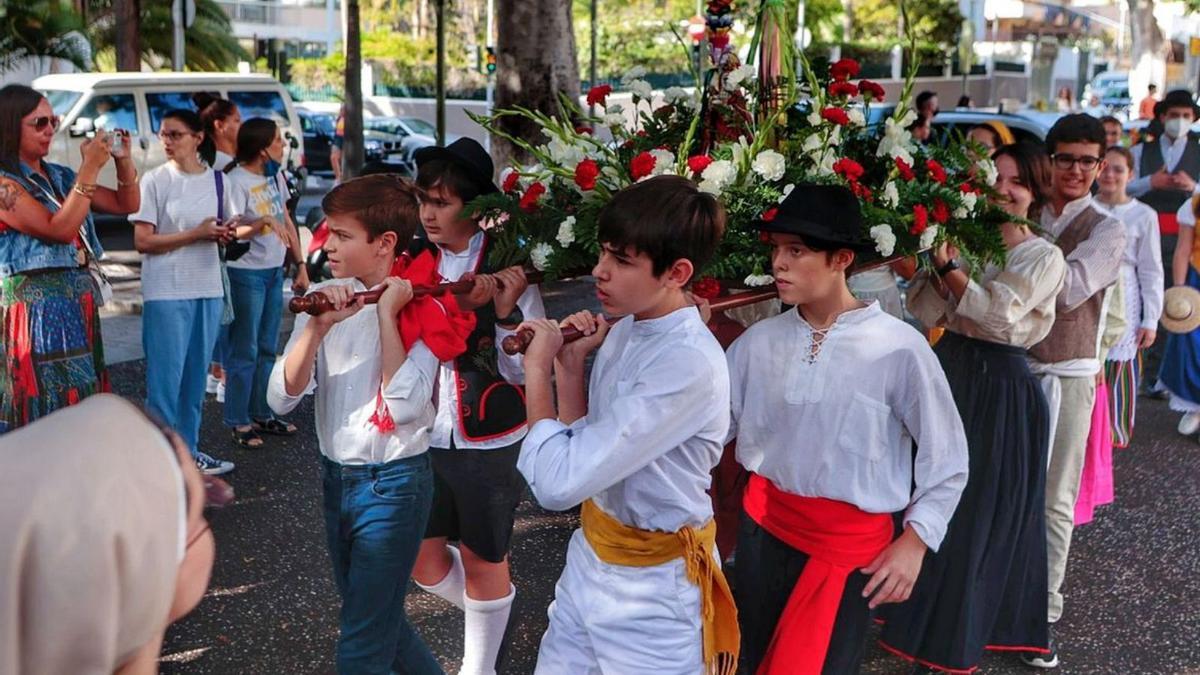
352,141
1148,51
535,59
128,18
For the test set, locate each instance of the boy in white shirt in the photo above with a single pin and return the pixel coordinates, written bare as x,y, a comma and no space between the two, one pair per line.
642,591
827,400
374,410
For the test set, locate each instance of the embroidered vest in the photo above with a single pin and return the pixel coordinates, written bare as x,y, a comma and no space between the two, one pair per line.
1169,201
1073,335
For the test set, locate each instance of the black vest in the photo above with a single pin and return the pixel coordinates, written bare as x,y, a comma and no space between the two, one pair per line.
1169,201
488,406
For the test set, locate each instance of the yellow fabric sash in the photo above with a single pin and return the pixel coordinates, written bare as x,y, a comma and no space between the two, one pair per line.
619,544
1195,239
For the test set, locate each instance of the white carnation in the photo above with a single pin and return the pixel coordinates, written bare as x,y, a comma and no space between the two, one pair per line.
815,119
988,169
564,153
679,96
664,162
769,164
885,239
928,236
614,120
566,232
970,199
890,195
717,176
812,142
740,74
759,280
634,73
640,89
540,255
857,118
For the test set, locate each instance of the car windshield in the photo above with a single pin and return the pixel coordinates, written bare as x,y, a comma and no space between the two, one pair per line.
325,123
420,126
389,125
61,100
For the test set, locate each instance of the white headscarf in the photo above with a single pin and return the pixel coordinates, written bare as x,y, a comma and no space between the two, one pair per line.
92,516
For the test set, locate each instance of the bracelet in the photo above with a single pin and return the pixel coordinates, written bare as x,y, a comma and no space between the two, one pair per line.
86,189
947,268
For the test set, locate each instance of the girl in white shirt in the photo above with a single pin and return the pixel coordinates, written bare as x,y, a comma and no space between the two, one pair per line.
178,229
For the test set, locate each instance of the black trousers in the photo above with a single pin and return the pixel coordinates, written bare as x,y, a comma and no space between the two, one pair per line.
766,571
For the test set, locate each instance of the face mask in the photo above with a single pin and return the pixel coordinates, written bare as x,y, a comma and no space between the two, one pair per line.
1176,127
270,168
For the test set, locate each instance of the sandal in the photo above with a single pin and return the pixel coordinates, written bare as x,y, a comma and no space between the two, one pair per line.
275,427
248,439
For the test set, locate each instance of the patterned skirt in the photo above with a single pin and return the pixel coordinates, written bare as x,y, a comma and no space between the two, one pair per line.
51,355
1122,378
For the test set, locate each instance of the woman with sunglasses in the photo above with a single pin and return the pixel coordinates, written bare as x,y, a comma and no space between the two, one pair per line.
186,212
49,303
98,557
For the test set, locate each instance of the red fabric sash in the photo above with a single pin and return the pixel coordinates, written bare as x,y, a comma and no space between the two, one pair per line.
1168,223
436,321
838,538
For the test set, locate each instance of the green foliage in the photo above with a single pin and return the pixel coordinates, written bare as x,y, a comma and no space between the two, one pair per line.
41,28
209,45
933,21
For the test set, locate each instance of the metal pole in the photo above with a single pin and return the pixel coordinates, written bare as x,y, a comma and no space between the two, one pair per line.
177,18
441,71
490,44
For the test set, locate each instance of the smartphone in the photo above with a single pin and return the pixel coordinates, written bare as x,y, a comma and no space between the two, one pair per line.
118,143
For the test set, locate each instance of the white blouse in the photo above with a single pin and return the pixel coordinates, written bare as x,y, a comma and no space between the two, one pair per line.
842,427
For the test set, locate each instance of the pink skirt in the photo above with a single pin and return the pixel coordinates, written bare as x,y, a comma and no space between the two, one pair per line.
1096,486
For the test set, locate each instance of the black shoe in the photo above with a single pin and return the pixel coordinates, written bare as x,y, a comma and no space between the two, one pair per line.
1045,661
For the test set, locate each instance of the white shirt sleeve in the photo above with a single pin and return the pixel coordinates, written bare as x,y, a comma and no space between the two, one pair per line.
1000,305
1150,271
277,397
148,211
737,385
512,367
1094,265
410,390
1140,185
924,302
564,466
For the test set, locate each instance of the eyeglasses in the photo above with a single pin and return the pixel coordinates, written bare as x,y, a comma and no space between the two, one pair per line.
173,136
40,123
1064,162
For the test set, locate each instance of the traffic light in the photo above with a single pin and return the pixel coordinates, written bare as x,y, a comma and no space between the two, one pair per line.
491,60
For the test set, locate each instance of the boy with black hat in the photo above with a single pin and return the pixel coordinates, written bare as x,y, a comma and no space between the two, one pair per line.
480,421
827,400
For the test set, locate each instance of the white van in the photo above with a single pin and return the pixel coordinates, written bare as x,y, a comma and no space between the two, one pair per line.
136,102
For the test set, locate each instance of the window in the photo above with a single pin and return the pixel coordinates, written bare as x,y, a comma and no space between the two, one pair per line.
61,100
420,126
267,104
111,112
160,103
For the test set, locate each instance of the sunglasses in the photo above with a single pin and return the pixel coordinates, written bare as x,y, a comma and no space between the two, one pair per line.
40,123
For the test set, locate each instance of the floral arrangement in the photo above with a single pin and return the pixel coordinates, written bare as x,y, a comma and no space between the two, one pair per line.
747,136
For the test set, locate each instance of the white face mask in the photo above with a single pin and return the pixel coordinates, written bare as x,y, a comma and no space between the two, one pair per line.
1176,127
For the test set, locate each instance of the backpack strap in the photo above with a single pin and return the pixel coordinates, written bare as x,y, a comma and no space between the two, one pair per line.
220,178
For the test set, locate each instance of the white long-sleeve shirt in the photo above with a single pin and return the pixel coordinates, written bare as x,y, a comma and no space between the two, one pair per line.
842,426
346,380
1172,152
452,267
658,413
1143,254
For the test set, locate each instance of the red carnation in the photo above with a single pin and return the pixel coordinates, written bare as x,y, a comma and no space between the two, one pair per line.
848,169
707,288
529,201
641,165
871,90
861,191
842,89
968,188
583,131
698,163
769,215
586,173
836,115
906,170
941,212
598,94
510,181
920,220
936,172
844,69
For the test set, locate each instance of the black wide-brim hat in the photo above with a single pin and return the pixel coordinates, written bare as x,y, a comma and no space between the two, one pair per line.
1177,98
827,213
467,153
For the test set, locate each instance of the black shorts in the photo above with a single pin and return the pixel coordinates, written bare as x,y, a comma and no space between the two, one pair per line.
475,496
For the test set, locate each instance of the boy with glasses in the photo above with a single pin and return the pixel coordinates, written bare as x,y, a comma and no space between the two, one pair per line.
1067,360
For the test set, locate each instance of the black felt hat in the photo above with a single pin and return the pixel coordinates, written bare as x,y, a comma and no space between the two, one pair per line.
1176,98
829,213
468,153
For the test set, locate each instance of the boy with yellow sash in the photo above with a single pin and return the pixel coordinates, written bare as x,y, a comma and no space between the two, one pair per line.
642,591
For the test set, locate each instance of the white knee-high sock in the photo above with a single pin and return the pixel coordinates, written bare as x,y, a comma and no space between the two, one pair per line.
484,633
452,587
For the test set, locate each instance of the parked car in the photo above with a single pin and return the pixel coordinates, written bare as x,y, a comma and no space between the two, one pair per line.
415,133
136,102
378,146
1024,127
1112,88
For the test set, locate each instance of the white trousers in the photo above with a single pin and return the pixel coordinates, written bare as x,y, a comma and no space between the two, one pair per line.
620,620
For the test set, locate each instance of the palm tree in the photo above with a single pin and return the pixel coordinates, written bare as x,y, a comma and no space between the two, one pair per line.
208,45
42,29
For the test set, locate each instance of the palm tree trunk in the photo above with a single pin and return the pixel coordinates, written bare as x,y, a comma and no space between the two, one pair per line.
128,17
352,148
535,59
1148,50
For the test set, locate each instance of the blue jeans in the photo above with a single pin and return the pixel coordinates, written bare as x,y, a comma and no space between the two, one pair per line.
253,343
178,338
374,521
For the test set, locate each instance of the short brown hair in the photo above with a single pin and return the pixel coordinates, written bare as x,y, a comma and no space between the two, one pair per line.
1124,153
382,203
667,218
1033,169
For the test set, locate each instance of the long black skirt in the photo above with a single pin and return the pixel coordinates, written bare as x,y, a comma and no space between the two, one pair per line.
985,588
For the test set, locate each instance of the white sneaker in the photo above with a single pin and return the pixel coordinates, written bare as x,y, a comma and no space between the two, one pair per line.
211,384
1189,424
221,392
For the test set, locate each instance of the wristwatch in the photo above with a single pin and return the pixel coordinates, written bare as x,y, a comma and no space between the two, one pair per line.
948,268
514,318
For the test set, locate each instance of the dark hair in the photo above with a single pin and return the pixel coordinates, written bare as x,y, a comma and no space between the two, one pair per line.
450,175
922,120
1123,152
189,119
667,218
16,101
1152,87
255,135
1109,119
1033,170
964,101
923,98
1076,128
212,109
381,202
996,142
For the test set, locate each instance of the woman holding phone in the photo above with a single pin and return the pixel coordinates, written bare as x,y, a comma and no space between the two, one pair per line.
186,213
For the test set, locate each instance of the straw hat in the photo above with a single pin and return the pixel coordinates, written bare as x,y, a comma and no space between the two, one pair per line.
1181,309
